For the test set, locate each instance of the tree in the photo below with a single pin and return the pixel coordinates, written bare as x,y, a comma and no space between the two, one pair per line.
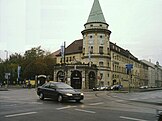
36,62
16,58
36,67
34,53
2,68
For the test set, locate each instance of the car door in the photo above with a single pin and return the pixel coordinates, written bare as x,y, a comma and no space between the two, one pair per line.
46,90
52,91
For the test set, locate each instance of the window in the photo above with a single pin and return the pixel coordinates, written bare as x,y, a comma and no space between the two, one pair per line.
67,59
46,85
53,86
83,51
101,75
101,49
74,58
100,63
91,49
90,36
61,60
108,51
91,25
108,64
100,36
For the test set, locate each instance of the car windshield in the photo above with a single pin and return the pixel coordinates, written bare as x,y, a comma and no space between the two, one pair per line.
63,86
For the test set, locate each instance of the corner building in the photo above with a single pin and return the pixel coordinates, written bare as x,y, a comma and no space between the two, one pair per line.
96,44
94,60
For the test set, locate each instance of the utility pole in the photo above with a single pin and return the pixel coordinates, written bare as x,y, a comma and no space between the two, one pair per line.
64,62
64,52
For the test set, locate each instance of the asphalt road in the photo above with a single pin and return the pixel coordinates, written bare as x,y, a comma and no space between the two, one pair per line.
24,105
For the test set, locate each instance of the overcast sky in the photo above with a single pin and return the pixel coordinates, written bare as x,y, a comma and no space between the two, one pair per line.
136,25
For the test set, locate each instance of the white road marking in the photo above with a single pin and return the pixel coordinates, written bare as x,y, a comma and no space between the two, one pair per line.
86,111
133,119
119,100
10,105
35,103
65,107
20,114
99,103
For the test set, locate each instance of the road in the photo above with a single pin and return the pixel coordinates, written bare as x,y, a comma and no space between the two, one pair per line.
24,105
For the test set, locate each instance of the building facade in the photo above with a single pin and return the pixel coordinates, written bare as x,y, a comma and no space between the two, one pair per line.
154,74
94,60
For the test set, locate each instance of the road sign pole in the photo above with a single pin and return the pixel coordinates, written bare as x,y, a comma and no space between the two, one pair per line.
129,67
129,81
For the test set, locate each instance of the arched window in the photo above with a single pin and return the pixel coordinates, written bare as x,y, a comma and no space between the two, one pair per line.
101,63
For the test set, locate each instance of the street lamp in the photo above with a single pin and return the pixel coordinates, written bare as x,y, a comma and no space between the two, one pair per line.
6,74
6,54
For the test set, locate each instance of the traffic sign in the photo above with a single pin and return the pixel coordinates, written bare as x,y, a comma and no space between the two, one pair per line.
129,66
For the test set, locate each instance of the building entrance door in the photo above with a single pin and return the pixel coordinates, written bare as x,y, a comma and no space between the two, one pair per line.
91,78
76,79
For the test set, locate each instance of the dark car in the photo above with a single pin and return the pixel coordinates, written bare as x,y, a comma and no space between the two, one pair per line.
59,91
116,87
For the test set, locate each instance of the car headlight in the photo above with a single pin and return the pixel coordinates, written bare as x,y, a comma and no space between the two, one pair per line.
81,94
68,94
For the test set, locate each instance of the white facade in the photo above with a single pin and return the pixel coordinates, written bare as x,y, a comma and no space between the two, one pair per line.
154,74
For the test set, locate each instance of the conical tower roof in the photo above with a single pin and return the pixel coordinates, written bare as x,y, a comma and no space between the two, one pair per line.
96,14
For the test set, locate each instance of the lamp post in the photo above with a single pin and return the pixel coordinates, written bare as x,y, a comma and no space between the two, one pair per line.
6,74
6,54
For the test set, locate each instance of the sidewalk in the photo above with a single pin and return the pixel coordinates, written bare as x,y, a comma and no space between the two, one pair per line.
3,89
150,96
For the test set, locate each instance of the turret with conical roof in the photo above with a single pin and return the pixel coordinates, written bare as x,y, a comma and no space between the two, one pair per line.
96,45
96,14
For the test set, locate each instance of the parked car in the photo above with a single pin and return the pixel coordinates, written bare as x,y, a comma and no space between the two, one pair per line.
143,87
59,91
98,88
116,87
101,88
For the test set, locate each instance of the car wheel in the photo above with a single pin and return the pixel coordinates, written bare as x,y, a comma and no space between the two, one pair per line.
59,98
41,96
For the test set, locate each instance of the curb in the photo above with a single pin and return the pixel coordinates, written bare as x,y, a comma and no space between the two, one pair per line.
154,103
3,89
